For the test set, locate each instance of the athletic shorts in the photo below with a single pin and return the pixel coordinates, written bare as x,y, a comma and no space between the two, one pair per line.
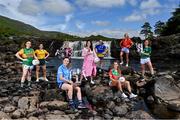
42,62
124,49
145,60
28,67
60,85
100,56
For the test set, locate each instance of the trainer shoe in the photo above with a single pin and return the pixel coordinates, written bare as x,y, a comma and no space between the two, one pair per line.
127,65
37,80
81,106
132,95
46,79
92,82
121,63
124,95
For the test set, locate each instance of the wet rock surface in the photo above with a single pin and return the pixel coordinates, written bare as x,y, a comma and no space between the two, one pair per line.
46,101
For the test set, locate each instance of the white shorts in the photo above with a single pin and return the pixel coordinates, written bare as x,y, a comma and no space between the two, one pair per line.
124,49
144,61
28,67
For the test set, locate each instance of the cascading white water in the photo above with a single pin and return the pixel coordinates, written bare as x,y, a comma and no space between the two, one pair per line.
77,47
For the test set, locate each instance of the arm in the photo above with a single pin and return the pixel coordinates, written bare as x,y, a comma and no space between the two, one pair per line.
120,44
85,52
110,76
47,54
18,55
130,43
35,55
113,80
64,80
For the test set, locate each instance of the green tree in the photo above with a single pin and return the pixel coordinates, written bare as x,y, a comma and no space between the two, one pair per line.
146,30
173,24
159,26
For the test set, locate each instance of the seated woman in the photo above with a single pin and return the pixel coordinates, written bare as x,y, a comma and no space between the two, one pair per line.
65,83
118,81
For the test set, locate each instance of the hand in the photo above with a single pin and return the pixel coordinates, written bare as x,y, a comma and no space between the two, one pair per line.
70,82
75,85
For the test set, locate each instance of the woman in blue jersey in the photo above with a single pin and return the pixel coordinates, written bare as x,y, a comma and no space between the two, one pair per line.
65,83
101,51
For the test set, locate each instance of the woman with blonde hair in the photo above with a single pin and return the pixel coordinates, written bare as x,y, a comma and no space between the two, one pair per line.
119,82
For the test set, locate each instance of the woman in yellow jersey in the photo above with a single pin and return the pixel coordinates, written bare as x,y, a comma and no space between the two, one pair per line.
41,55
26,55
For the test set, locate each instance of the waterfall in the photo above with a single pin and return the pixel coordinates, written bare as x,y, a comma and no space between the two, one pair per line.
77,47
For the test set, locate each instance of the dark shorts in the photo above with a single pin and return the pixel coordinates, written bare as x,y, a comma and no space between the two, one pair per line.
42,62
101,58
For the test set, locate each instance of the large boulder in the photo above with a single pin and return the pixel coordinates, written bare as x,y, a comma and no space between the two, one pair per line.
9,108
4,116
54,105
166,89
120,110
140,114
23,103
57,117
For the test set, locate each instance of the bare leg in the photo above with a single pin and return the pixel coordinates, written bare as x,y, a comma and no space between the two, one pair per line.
128,86
37,71
24,74
119,86
29,77
151,68
127,58
79,96
69,88
121,56
44,71
143,69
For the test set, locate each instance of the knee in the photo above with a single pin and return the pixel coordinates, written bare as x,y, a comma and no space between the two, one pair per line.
119,83
70,88
127,82
44,69
78,89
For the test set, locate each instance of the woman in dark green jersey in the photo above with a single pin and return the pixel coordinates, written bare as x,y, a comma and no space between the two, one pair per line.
145,58
26,55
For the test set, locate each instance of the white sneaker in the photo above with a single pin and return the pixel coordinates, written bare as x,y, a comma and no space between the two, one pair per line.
127,65
92,82
37,80
124,95
132,95
46,79
121,63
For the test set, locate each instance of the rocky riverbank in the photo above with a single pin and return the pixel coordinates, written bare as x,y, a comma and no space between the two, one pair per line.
46,101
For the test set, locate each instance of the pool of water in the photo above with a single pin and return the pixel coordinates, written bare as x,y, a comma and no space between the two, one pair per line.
160,111
78,62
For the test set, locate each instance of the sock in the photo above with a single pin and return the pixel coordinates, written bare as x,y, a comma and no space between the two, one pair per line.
22,84
29,83
71,102
80,101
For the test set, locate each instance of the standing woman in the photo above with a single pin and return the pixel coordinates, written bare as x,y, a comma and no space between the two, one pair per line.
42,55
89,66
67,50
145,58
125,45
26,55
